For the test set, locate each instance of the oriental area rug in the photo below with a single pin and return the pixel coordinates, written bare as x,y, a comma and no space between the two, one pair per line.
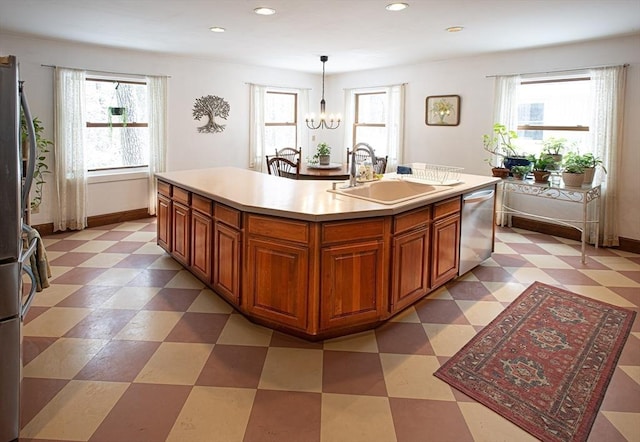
545,362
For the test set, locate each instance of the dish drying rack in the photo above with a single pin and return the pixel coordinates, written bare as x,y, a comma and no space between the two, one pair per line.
431,173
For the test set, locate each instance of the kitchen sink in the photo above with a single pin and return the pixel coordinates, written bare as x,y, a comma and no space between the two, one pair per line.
389,191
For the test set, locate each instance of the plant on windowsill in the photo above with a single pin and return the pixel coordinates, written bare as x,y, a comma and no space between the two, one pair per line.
500,144
323,154
573,170
540,166
42,149
591,163
520,172
554,147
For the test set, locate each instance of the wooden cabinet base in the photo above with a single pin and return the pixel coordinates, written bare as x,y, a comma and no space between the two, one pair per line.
314,280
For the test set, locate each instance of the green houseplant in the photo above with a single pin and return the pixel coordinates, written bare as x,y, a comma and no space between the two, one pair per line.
42,149
573,170
541,165
554,147
520,172
323,153
501,145
591,163
120,112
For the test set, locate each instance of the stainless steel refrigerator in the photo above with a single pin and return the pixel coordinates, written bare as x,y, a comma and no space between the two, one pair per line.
16,175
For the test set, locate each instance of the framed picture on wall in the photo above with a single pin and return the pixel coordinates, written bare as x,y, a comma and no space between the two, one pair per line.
442,110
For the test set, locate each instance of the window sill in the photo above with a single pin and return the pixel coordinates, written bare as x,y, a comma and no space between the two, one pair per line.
108,176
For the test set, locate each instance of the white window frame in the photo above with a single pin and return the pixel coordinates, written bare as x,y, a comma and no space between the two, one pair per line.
123,173
394,121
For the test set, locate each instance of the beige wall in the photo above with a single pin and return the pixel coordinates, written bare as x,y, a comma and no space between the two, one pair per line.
460,145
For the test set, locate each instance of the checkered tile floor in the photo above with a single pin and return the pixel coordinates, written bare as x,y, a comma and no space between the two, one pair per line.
127,346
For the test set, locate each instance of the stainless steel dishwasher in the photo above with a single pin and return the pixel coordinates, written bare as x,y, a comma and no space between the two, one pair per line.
476,236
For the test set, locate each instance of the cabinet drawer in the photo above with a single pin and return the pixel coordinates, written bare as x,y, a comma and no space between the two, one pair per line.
447,207
335,232
181,195
412,219
279,228
164,188
201,204
227,215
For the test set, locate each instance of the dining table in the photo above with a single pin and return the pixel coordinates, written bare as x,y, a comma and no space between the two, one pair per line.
332,171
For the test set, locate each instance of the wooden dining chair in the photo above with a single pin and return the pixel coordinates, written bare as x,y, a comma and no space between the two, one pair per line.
289,153
362,154
281,166
380,165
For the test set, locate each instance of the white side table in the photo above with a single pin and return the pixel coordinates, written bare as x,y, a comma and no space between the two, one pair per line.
559,192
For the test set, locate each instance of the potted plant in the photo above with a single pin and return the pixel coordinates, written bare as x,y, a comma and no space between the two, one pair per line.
520,172
541,166
500,144
120,112
42,148
117,110
498,170
323,154
591,162
554,147
573,170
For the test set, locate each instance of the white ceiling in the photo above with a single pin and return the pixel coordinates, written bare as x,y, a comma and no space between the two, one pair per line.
355,34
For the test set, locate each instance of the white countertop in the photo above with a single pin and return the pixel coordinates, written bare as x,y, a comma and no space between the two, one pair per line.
309,200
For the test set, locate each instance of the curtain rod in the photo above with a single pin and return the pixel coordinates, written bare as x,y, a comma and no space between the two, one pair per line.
374,87
559,70
278,87
102,72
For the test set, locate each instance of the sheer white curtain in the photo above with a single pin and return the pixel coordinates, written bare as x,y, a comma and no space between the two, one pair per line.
303,108
256,128
349,117
69,169
505,110
606,129
395,125
157,110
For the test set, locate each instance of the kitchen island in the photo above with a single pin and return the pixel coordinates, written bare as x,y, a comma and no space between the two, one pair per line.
298,258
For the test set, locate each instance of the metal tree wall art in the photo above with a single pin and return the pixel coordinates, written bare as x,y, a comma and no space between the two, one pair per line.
211,106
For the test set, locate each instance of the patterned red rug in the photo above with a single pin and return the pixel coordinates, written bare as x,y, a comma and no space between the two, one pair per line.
545,362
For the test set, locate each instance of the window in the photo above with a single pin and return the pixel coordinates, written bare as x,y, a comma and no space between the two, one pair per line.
376,116
370,121
280,120
117,124
556,108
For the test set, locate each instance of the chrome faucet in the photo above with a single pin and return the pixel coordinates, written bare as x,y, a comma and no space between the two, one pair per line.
353,172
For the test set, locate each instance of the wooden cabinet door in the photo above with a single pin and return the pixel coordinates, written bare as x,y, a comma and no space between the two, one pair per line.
201,245
351,287
410,273
180,215
277,281
163,212
226,262
446,249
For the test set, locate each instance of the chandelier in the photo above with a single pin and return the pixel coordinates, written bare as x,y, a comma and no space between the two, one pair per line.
333,121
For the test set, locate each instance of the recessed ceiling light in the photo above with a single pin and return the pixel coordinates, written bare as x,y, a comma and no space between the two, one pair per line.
454,29
216,29
264,11
396,6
